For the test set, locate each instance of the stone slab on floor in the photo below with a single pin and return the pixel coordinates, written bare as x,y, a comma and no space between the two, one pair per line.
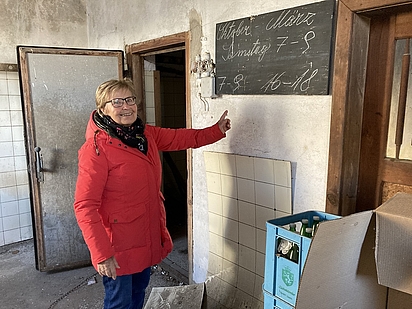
176,297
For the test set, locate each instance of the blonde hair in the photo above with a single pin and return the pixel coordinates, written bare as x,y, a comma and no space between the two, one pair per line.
106,89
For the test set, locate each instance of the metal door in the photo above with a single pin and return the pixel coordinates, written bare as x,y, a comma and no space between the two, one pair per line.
58,87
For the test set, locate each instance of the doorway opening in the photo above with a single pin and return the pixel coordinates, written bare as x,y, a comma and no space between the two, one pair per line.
158,69
169,80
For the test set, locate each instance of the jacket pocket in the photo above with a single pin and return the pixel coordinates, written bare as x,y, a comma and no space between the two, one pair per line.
129,228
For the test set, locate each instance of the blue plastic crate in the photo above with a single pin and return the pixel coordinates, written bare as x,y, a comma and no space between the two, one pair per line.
272,302
282,276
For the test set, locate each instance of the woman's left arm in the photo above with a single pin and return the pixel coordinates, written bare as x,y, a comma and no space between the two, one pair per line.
181,139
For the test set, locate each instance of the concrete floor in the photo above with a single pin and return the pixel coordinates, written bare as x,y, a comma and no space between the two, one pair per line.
22,286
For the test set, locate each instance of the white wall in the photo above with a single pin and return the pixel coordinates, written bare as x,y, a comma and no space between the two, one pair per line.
292,128
288,128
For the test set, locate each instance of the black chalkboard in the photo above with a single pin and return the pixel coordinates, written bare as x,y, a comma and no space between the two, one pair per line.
282,52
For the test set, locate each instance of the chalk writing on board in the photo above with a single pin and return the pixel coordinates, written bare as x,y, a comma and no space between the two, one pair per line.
282,52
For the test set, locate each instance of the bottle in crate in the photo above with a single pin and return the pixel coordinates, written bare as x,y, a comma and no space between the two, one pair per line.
315,224
305,224
293,253
308,232
285,246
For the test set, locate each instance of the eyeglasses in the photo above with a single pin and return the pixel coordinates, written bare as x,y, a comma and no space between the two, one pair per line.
118,102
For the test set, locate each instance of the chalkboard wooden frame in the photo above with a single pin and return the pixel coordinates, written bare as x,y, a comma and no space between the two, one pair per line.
282,52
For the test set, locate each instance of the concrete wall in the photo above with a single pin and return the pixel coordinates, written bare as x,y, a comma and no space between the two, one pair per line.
42,23
292,128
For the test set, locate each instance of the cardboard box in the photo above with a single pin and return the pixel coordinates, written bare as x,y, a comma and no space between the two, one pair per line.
361,261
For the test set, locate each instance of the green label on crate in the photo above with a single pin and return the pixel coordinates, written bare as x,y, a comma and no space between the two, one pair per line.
287,279
287,276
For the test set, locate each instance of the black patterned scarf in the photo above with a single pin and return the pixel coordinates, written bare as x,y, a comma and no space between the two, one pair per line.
132,136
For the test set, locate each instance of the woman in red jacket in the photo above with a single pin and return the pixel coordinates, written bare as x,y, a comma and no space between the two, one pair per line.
118,202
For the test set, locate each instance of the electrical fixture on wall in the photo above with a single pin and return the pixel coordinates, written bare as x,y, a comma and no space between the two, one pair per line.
204,70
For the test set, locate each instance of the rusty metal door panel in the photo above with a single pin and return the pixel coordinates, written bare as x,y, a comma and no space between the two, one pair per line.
58,87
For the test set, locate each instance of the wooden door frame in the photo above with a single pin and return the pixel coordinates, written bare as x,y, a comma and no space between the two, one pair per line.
134,58
348,86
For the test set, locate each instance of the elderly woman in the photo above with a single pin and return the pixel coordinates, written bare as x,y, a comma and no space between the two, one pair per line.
118,202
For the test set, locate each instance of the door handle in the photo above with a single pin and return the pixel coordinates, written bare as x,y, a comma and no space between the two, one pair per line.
39,165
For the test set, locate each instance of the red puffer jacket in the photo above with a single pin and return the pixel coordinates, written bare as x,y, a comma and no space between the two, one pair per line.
118,203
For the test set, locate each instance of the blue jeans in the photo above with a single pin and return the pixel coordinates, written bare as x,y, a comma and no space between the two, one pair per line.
126,292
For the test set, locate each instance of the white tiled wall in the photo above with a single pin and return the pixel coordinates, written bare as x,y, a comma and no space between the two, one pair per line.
243,193
15,214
